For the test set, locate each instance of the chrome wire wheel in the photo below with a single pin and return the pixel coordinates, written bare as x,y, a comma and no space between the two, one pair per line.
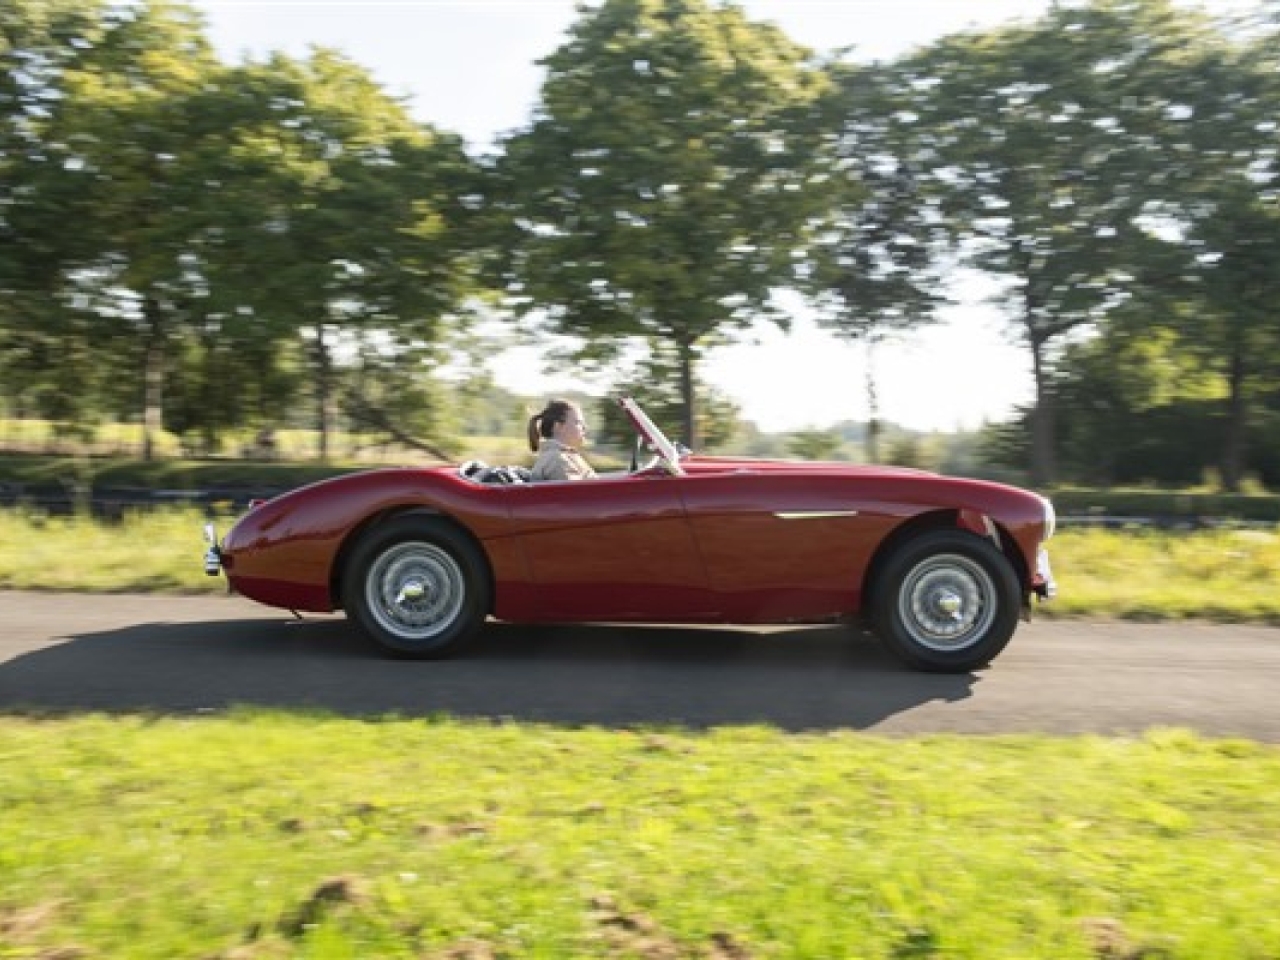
415,590
947,602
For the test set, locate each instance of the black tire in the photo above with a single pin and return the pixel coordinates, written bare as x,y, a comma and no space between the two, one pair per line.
417,586
947,602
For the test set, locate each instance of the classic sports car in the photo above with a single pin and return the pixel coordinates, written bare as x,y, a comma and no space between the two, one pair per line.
941,568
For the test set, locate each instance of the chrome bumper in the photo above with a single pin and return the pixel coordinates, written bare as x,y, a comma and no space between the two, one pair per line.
213,555
1045,586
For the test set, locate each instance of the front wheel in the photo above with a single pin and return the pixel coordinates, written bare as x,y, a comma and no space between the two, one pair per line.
417,586
947,601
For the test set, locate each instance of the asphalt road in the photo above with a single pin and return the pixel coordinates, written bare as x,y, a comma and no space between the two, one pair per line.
124,653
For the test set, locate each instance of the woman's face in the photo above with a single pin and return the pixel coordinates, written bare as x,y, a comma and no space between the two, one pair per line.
572,430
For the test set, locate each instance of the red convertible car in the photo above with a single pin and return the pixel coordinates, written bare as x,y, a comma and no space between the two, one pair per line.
941,568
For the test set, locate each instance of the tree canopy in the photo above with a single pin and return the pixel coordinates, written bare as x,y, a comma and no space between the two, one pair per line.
657,196
204,247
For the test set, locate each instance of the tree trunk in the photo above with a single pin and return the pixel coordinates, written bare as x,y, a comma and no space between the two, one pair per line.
324,389
152,379
1233,446
873,405
687,396
1043,467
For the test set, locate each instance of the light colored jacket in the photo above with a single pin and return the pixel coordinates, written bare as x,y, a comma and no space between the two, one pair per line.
558,462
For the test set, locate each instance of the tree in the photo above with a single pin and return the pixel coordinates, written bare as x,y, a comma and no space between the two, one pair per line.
357,241
125,121
656,196
1044,134
43,201
870,266
1216,215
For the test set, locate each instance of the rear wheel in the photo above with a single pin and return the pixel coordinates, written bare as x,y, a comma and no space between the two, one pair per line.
947,601
417,586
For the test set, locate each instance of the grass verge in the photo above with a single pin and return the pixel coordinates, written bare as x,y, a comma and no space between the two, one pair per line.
1226,575
271,835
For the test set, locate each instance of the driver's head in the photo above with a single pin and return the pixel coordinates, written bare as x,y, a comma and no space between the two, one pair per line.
560,420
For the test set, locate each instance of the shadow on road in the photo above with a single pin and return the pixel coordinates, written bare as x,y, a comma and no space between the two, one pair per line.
795,679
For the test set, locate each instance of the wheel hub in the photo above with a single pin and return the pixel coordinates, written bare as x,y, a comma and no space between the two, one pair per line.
947,602
416,590
411,591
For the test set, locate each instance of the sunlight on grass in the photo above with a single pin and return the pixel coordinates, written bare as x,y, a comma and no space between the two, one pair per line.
306,835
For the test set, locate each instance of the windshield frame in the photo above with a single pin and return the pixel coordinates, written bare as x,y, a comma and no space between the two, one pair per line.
667,453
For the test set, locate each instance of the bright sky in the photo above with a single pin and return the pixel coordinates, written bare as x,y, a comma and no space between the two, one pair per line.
470,66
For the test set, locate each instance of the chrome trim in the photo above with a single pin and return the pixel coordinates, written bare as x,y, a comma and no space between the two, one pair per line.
813,514
992,533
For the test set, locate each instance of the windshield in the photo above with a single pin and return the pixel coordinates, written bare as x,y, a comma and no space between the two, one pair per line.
655,439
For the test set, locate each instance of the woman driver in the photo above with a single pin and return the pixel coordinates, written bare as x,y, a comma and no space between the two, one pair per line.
557,434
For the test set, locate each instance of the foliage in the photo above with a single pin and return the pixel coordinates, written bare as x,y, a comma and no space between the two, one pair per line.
1188,507
814,444
205,251
876,235
225,217
1059,142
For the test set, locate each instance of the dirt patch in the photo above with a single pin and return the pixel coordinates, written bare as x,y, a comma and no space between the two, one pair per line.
634,933
464,950
724,946
1109,940
26,923
449,831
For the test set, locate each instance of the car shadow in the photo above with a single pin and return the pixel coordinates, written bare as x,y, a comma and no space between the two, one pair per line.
799,678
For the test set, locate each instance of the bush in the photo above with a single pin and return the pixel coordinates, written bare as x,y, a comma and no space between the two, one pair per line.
1167,505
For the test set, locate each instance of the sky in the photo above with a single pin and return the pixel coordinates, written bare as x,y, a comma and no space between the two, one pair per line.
470,66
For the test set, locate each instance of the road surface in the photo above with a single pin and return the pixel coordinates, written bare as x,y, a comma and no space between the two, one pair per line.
126,653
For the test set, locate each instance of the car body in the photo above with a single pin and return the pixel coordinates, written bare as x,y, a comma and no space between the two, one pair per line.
940,567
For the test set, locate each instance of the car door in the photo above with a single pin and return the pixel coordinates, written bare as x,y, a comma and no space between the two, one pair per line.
782,546
613,548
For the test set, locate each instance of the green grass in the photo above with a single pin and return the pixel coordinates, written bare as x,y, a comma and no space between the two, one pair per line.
1224,575
155,551
269,835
